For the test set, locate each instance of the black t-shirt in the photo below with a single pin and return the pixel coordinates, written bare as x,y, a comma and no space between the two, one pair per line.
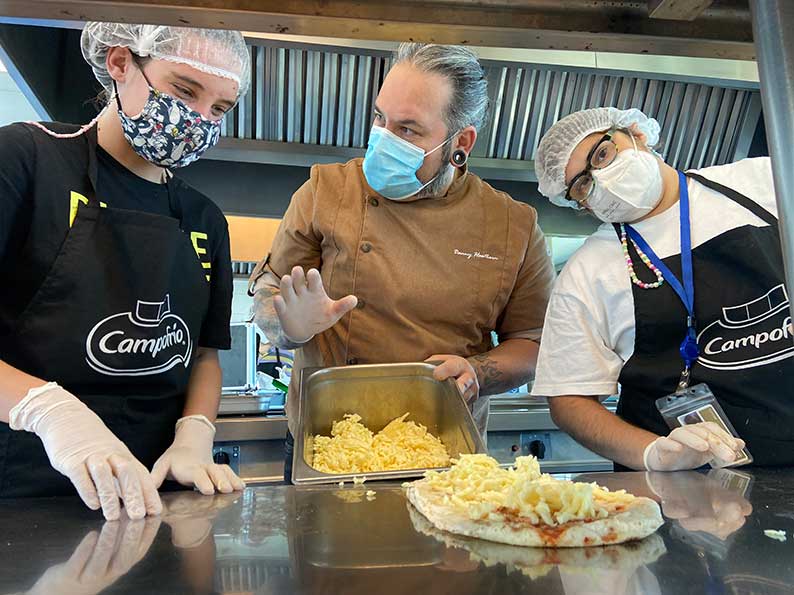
119,188
122,189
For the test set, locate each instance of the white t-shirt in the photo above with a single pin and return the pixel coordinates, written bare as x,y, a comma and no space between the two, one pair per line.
589,331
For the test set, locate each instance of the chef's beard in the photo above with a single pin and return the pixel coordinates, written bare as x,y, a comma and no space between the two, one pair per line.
442,178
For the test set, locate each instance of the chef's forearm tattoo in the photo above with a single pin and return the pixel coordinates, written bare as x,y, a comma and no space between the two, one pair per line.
493,381
266,318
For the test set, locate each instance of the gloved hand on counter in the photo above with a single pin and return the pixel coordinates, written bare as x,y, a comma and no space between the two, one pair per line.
189,459
304,308
707,503
191,516
690,447
82,448
101,559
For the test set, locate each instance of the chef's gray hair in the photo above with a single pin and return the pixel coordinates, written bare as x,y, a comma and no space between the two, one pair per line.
468,105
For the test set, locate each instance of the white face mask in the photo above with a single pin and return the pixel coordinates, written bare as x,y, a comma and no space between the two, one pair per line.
628,188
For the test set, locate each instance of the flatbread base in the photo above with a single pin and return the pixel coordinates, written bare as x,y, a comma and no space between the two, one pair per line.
637,520
536,562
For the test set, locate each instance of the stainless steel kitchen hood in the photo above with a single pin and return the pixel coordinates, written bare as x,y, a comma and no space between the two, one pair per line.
313,104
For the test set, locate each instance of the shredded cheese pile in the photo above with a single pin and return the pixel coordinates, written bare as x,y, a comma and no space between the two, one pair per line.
353,448
350,496
478,487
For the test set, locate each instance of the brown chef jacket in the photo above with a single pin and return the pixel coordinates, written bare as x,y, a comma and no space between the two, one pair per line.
432,276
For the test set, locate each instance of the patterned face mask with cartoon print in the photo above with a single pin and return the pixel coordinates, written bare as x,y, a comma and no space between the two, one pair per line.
167,132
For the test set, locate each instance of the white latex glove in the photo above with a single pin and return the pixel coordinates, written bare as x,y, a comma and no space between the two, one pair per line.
690,447
100,559
82,448
303,307
189,459
701,502
190,515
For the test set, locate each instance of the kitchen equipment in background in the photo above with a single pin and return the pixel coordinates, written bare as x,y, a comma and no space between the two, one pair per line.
246,389
274,367
251,425
253,445
379,393
239,363
521,425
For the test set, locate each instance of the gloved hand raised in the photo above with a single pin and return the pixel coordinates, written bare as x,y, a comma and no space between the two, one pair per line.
304,308
690,447
82,448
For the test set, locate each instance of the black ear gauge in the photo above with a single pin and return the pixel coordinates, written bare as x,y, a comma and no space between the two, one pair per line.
459,158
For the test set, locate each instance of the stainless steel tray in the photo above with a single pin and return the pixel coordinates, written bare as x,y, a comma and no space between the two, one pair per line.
379,393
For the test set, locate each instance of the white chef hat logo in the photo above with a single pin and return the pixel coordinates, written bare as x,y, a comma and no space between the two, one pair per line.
748,335
150,341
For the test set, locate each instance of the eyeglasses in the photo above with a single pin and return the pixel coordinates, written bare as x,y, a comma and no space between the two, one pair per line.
601,155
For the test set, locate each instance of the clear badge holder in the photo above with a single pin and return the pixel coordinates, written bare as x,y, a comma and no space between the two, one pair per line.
696,404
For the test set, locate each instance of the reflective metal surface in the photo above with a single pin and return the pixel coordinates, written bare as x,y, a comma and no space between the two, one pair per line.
311,104
379,393
287,539
773,21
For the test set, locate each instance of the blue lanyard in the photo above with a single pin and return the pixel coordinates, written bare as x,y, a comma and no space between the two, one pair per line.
689,348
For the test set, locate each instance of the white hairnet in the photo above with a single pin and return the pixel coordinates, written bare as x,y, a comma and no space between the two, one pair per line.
558,143
215,51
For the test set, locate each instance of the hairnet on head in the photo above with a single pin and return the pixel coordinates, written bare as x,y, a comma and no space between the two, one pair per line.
558,143
214,51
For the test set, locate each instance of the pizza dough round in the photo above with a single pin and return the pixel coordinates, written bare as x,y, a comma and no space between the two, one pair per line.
635,520
536,562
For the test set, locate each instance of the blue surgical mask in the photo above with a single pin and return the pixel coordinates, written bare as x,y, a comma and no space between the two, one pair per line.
391,163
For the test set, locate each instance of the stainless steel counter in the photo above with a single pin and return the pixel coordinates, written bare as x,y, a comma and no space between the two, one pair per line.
284,540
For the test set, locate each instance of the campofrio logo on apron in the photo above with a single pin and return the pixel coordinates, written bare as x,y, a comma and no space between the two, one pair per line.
753,334
149,341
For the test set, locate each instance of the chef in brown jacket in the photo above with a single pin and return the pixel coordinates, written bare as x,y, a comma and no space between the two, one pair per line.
405,255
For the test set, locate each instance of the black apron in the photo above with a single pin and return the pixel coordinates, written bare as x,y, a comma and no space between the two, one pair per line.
742,312
115,322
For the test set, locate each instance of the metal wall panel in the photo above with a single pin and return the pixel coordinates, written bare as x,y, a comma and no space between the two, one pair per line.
325,96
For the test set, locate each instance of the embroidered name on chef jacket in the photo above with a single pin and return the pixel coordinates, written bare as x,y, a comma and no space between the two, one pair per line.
748,335
470,255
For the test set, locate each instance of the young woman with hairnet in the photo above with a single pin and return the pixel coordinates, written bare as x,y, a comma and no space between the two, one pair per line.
682,285
117,278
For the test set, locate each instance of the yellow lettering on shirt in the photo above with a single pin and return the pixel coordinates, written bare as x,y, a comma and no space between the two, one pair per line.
75,198
195,237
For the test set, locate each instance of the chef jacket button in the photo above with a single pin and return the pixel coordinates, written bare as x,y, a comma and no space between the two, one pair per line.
366,247
352,361
360,305
374,201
